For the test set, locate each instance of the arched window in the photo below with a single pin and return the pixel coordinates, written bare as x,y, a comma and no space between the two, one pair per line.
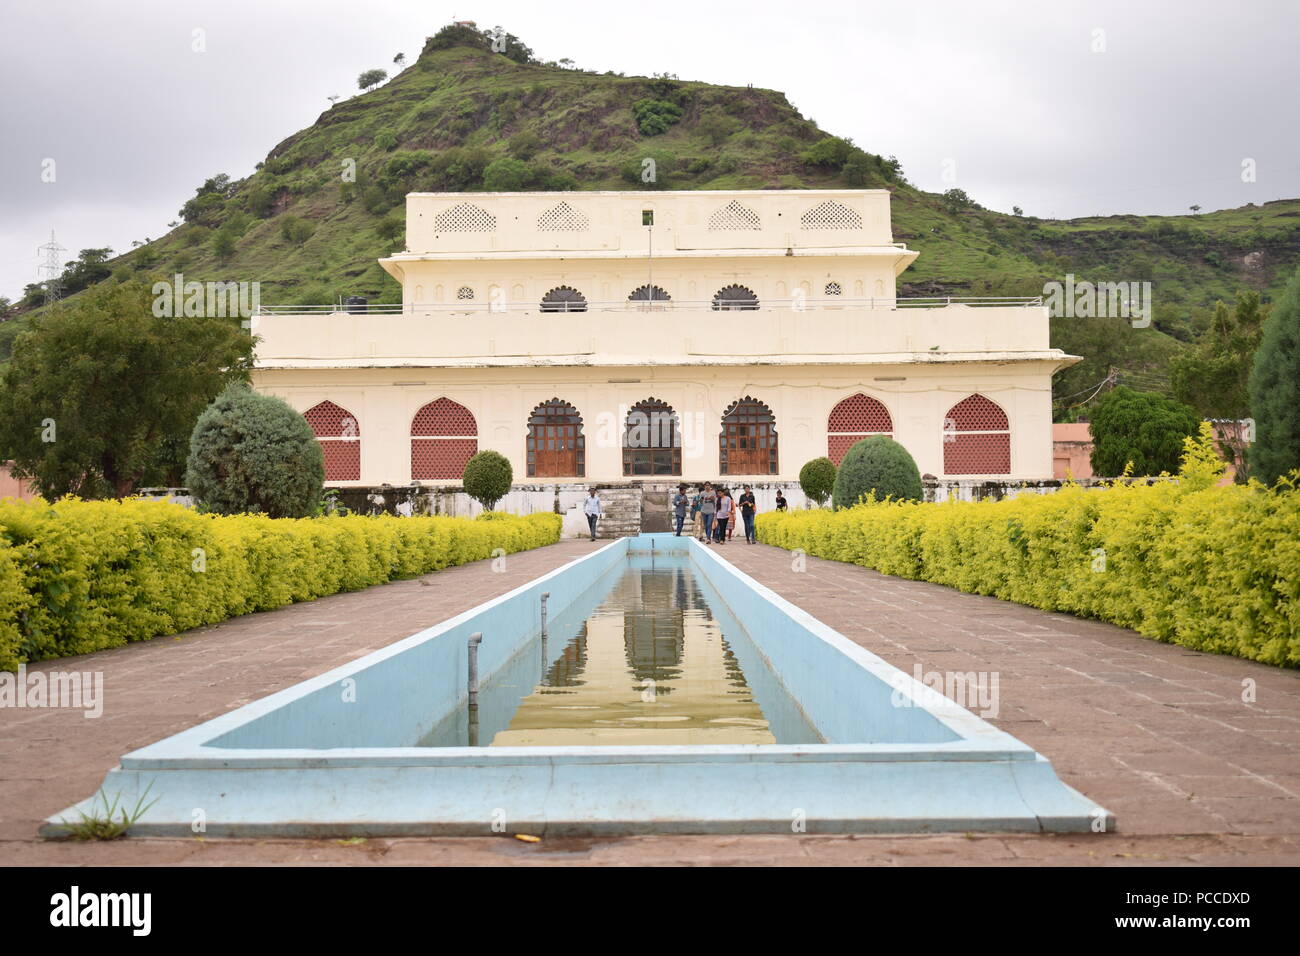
556,447
747,442
976,438
444,436
652,440
735,297
648,293
465,293
564,299
857,417
833,288
339,435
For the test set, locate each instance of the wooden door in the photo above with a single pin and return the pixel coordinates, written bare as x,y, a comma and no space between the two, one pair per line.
554,450
748,440
555,447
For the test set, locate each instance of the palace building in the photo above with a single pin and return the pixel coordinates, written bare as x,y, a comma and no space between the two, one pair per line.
625,337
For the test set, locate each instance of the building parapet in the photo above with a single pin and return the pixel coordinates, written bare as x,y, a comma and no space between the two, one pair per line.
700,305
609,221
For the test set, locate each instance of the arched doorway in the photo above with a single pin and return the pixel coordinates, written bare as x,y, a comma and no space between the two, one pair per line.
556,447
976,438
855,418
339,435
444,436
747,444
652,440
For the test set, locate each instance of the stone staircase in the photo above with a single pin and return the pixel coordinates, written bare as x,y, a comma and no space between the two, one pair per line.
622,517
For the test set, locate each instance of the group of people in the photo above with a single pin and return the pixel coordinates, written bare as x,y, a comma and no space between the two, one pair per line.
712,511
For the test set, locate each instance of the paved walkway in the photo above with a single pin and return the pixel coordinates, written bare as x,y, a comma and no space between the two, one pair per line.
1158,734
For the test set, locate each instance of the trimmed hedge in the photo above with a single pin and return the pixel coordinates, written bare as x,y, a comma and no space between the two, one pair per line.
81,576
1214,568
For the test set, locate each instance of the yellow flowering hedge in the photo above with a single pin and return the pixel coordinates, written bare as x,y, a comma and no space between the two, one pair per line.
1215,568
81,576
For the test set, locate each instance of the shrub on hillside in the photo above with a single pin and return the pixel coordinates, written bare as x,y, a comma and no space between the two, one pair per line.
297,230
1141,428
879,467
817,479
253,453
506,175
487,478
654,117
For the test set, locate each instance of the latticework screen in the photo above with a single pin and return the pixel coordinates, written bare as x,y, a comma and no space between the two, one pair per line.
563,218
437,449
830,215
734,216
976,438
465,217
852,420
340,440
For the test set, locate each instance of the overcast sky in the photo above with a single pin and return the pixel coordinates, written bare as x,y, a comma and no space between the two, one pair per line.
1063,108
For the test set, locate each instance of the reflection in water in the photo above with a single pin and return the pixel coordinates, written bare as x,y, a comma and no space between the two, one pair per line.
650,666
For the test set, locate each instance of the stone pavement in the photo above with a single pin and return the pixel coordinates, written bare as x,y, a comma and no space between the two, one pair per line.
1158,734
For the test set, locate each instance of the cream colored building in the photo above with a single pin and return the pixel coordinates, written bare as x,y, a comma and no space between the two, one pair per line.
608,337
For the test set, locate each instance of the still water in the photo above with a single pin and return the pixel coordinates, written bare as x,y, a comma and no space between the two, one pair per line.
651,658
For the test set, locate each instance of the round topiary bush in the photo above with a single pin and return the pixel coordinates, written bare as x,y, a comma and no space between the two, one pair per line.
253,453
487,478
876,466
817,479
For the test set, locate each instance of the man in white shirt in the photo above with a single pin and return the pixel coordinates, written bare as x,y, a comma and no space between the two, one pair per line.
591,508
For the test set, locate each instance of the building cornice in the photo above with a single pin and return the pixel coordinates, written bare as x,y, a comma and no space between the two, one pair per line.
1055,357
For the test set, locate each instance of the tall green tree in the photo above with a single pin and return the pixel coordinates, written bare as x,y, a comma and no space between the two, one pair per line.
1141,428
100,388
1275,390
1214,376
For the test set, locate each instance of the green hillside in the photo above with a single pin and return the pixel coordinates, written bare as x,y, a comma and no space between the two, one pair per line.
462,117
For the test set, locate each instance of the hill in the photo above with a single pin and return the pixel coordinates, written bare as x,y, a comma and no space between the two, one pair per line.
312,219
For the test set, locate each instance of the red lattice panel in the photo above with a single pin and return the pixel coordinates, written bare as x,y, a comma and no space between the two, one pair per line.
444,417
977,454
328,420
342,459
859,414
976,414
441,458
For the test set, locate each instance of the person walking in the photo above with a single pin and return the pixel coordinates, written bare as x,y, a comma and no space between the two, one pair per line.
680,503
748,508
724,515
708,508
591,508
697,521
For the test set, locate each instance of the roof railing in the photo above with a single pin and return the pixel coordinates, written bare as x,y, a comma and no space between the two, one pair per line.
819,304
